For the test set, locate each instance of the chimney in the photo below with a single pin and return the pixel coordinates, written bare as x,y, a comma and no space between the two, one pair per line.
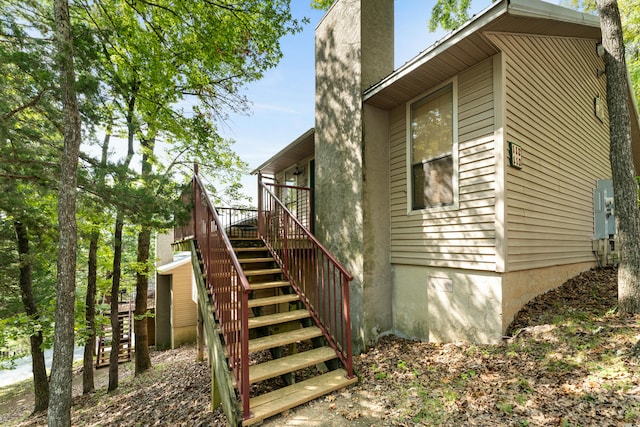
354,50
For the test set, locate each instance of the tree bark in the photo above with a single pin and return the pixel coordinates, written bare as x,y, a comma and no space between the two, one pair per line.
40,380
59,413
142,357
115,309
625,185
117,251
88,385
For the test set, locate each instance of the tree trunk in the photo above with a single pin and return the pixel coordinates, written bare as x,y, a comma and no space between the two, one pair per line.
142,357
115,309
625,185
59,413
40,380
88,385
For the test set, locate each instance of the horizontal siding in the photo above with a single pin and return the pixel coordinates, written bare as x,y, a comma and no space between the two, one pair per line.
550,86
462,238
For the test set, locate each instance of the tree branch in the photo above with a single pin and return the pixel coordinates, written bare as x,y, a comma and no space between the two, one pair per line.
23,107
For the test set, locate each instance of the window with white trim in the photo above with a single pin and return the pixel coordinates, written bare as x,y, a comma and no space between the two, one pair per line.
432,139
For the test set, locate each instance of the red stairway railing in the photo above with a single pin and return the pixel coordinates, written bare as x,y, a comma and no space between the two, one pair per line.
225,279
321,281
283,223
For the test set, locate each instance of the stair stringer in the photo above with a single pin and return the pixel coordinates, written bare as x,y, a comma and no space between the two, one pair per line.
223,391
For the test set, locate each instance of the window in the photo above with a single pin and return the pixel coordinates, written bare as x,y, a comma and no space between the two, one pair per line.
432,139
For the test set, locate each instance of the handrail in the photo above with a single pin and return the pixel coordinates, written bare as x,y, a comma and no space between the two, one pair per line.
296,198
228,285
316,275
311,237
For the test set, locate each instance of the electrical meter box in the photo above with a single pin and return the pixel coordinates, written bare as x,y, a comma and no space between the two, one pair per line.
603,210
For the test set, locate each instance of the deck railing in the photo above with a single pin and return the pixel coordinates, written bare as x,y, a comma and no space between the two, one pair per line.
226,281
321,281
239,222
298,200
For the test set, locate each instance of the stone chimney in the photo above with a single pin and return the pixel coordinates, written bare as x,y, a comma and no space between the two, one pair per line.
354,50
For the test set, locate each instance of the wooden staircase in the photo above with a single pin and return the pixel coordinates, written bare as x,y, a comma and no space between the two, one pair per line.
291,362
125,317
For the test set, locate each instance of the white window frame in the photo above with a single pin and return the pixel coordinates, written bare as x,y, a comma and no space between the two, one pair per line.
455,155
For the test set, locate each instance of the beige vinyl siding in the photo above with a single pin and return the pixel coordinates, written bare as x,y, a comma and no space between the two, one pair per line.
184,309
458,238
551,83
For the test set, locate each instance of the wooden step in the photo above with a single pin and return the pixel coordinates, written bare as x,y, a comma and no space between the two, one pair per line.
262,272
268,285
274,319
295,362
251,249
284,338
279,299
278,401
251,260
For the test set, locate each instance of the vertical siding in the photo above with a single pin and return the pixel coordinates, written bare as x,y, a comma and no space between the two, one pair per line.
462,238
185,311
551,83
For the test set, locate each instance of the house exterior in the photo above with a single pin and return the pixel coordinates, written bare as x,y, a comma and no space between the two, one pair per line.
461,185
176,313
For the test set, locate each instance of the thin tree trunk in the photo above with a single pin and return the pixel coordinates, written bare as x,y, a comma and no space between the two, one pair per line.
40,380
59,413
115,292
142,357
625,185
88,385
117,249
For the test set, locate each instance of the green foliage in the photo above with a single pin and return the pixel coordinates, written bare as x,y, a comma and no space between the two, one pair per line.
630,17
321,4
159,75
449,14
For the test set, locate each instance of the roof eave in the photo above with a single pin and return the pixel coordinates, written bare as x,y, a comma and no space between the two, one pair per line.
282,152
523,8
483,18
543,10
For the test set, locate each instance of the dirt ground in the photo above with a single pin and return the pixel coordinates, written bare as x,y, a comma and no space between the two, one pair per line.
567,362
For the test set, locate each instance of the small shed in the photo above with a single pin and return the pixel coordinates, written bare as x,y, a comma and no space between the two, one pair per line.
176,308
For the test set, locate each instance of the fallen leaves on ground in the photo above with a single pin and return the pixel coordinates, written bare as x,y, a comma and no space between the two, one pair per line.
567,362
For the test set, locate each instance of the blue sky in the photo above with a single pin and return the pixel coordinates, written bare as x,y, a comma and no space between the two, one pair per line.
283,101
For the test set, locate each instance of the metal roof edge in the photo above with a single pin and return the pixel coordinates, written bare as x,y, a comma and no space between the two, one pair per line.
481,19
284,150
542,9
182,259
528,8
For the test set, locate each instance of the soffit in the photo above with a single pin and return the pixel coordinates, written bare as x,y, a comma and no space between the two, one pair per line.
464,49
302,148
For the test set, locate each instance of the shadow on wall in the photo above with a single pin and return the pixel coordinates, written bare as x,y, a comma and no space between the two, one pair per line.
339,159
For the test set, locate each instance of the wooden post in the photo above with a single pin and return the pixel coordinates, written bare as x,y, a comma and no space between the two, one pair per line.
200,335
216,398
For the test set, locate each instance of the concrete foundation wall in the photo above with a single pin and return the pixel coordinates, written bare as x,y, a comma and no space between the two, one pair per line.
447,305
184,335
519,287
